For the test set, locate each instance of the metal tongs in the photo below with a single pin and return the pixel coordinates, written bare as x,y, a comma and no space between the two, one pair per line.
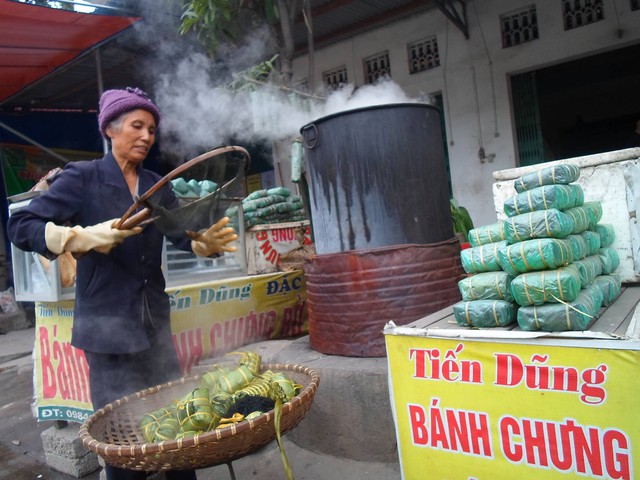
135,217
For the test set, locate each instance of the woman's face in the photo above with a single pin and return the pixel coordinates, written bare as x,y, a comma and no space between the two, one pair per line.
133,136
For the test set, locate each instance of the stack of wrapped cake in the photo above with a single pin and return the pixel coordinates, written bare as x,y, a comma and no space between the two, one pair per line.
549,265
275,205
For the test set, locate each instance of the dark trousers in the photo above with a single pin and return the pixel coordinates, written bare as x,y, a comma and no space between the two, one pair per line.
112,376
115,473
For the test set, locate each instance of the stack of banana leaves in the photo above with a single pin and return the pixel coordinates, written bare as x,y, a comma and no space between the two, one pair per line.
224,395
549,265
273,205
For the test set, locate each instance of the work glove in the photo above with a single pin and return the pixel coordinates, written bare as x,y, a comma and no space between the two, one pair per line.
215,239
101,237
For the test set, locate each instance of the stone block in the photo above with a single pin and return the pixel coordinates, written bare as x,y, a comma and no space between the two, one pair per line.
75,467
64,452
64,442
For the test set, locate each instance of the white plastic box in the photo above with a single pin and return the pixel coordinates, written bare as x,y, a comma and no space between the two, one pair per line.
611,178
37,279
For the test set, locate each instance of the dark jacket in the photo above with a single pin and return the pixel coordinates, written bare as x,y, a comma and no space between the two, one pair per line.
112,291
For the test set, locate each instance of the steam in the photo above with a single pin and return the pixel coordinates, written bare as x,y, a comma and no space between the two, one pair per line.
196,111
381,93
200,112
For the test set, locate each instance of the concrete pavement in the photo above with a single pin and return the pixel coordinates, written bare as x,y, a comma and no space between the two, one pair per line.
16,347
349,445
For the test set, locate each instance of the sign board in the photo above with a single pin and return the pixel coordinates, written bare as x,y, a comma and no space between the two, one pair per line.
483,410
207,320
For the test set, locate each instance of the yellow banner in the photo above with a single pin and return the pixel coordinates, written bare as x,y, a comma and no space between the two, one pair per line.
61,373
477,410
211,319
207,320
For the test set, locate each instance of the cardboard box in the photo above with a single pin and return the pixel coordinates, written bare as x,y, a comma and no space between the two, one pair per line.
265,244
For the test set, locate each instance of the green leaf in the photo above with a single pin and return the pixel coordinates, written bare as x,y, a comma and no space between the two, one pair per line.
271,11
460,217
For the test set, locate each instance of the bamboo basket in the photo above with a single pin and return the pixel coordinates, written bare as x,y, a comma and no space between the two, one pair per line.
113,432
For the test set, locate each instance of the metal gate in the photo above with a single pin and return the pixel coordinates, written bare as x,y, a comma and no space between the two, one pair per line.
527,119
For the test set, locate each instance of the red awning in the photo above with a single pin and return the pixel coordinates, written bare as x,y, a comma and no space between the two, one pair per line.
35,41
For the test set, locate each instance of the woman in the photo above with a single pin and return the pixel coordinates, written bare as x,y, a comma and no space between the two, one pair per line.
121,316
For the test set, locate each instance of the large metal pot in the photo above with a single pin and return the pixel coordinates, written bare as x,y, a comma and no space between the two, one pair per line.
377,177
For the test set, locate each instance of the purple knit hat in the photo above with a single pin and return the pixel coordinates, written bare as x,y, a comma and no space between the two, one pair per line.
114,103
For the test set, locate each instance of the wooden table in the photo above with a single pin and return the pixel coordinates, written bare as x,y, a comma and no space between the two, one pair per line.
615,322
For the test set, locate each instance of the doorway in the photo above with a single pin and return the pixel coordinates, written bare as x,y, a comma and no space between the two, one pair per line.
581,107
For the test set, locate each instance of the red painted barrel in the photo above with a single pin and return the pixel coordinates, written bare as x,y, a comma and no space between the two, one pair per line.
352,295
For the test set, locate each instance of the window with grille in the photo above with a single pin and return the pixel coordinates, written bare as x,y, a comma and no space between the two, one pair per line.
577,13
335,78
376,66
519,26
635,4
423,55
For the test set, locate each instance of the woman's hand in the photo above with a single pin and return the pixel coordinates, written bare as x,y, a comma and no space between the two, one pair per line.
101,237
215,239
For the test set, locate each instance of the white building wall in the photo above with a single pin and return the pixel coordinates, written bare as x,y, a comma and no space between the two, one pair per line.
473,77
